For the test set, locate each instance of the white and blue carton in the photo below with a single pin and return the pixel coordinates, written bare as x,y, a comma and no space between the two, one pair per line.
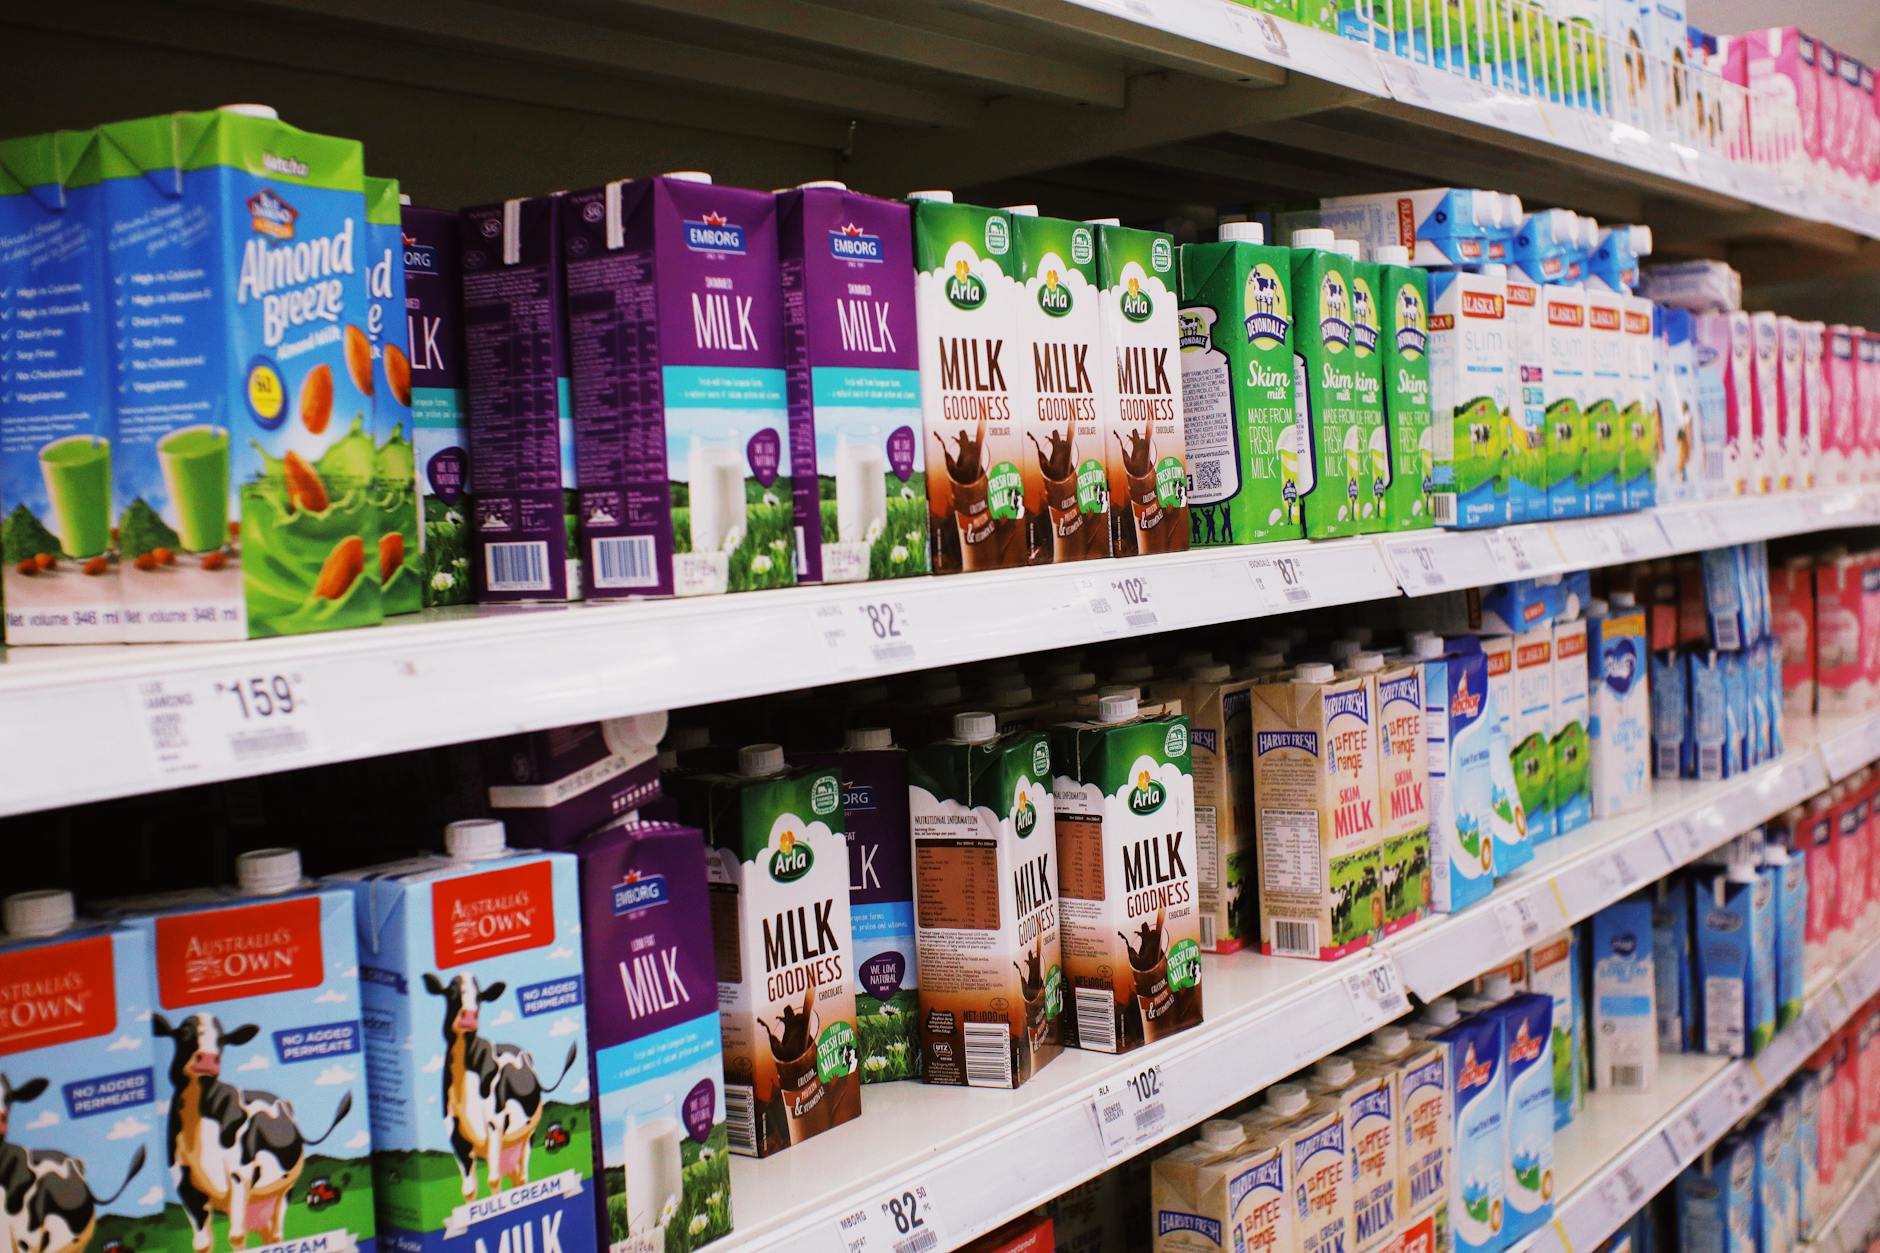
1528,1073
1619,727
1671,963
1477,1188
1733,940
1788,872
1461,741
1716,1200
1624,992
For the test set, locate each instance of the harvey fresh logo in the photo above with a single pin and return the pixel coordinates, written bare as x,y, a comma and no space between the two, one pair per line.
1054,298
227,954
850,242
1147,796
56,994
1135,302
477,917
272,216
1267,1175
792,859
964,290
1267,316
1350,704
1270,741
637,892
715,233
1335,312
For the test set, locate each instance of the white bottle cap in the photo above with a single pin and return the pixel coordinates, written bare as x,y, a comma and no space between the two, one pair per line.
758,761
867,739
1116,709
1441,1011
1597,608
1343,650
1313,672
1512,208
1391,1041
1261,663
1286,1099
268,871
1132,657
832,184
31,915
1213,672
1334,1071
1222,1133
685,739
1314,237
1497,986
1074,682
1243,233
1066,661
976,727
1350,247
475,839
1103,221
1620,599
265,111
1022,210
1391,254
1120,689
1426,647
688,176
1642,239
404,201
1367,663
941,689
938,196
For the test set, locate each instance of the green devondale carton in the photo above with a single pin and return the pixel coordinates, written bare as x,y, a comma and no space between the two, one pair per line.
1245,435
1408,503
398,554
1374,470
1325,372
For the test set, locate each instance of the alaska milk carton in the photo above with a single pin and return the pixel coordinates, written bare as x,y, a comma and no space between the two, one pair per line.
1564,386
1527,392
434,330
1641,413
83,1087
1619,710
852,375
1315,784
396,555
1246,435
1531,739
265,983
243,465
1573,781
682,444
1470,396
975,375
1604,402
1139,385
1624,983
1403,794
1404,312
1367,331
1553,969
1220,761
1224,1190
1478,1173
1527,1056
786,954
1325,374
60,580
656,1069
986,905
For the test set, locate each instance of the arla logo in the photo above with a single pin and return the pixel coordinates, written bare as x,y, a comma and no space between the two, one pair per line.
1334,312
1082,248
270,215
1412,324
1147,796
964,290
1054,298
1482,304
1025,817
637,892
57,993
1267,315
715,233
1135,302
850,242
998,236
792,859
1161,256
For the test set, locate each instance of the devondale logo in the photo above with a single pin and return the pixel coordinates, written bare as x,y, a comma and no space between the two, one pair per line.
1482,304
964,290
1565,313
1334,312
251,950
1135,302
56,994
480,916
637,892
1267,319
715,233
850,242
792,859
1147,796
1412,335
1192,330
1054,298
270,215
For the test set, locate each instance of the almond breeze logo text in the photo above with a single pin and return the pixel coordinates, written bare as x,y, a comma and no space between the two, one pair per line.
715,234
851,243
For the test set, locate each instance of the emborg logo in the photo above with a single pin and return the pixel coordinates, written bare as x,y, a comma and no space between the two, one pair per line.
850,243
637,892
57,993
270,215
420,257
250,950
1482,304
715,233
483,916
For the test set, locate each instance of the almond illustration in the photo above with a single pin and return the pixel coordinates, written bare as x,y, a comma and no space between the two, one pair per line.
96,566
316,398
45,561
164,556
398,373
359,359
304,488
145,562
342,566
214,561
391,556
26,566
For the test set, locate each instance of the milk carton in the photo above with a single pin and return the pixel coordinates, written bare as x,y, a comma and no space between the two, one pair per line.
985,905
1716,1200
1318,1171
1532,754
1403,794
1224,1190
1788,471
852,373
1139,382
1326,374
60,580
1366,1103
1671,965
1733,938
1419,1072
1315,780
1441,226
1477,1181
1405,295
1563,385
1814,404
1789,888
780,895
1506,820
1553,967
553,787
1572,748
396,557
1840,433
975,383
1742,463
1220,749
1681,454
1461,740
1624,1022
1619,721
247,279
1527,390
1765,399
266,983
81,1086
1067,486
1604,402
657,1073
1641,415
1248,442
434,329
1527,1056
1470,396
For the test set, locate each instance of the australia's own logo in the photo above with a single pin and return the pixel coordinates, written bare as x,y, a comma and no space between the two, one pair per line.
1147,796
1025,817
1135,302
825,796
1054,298
850,242
715,233
964,290
1267,315
792,859
998,236
638,891
270,215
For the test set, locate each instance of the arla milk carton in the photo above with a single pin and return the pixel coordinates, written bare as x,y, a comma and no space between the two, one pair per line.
478,1055
244,454
1478,1172
852,376
83,1086
1139,385
975,358
1128,915
657,1072
1528,1059
1619,712
1604,402
1624,1024
1403,793
1325,375
682,447
520,415
395,556
779,867
1315,780
1246,435
1526,319
1224,1190
992,998
1404,316
440,446
257,1019
1573,782
58,429
1470,396
1564,387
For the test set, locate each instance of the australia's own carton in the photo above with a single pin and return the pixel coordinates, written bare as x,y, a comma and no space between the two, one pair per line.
1478,1172
1139,385
1527,392
1470,397
1408,503
551,788
1367,350
1564,386
1220,759
519,415
1326,372
57,429
992,995
440,446
681,446
84,1089
852,365
394,555
1246,437
1604,402
1403,795
243,465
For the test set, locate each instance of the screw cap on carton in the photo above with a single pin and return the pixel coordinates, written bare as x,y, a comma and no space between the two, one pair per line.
1363,634
1022,210
936,195
1103,221
1391,1041
1334,1071
941,690
688,176
1495,269
1120,689
1497,986
1134,674
267,112
1272,644
1350,247
1077,681
1285,1099
1343,650
1391,254
1620,599
269,871
1189,658
475,839
1441,1011
1367,663
867,739
757,761
1011,695
1426,647
976,727
1314,672
1242,233
1222,1133
32,915
685,739
1314,237
1116,708
832,184
1262,663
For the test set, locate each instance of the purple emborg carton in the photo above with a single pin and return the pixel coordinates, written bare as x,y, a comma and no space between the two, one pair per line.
852,360
439,445
550,788
646,940
521,431
675,320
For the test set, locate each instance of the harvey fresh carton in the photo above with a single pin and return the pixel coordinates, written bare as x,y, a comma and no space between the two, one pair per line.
1139,385
439,444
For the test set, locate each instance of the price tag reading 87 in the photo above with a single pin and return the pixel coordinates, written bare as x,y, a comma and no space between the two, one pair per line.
904,1219
1280,583
1419,569
1377,993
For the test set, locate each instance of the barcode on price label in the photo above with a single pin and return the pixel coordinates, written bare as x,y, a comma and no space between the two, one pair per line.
205,724
1132,1110
874,632
1520,921
1419,568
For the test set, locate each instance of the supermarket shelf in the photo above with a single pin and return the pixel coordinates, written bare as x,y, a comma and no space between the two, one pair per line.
1855,1220
1623,1149
90,723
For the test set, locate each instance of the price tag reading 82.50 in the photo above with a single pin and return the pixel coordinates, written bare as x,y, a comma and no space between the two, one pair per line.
236,721
904,1219
880,632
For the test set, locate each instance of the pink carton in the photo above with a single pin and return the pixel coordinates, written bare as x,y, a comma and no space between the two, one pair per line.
1828,104
1839,629
1765,387
1787,460
1867,401
1814,398
1847,138
1840,436
1782,86
1739,452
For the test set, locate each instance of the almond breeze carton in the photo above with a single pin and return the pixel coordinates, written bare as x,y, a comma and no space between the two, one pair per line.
1139,385
81,1109
852,365
1325,373
986,905
60,582
243,467
1405,293
396,555
259,1043
975,358
440,446
681,437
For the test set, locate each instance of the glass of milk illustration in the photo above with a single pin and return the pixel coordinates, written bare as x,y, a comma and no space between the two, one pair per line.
655,1174
861,486
715,481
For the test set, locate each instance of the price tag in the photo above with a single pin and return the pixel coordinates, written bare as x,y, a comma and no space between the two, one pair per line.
1686,1136
1094,592
1743,1091
1132,1110
1419,568
1592,544
1520,921
1524,551
1680,841
1280,583
1690,530
1377,993
1639,536
904,1219
1135,596
240,720
877,631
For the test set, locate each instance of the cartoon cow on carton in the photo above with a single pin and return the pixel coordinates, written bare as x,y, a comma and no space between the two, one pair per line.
46,1204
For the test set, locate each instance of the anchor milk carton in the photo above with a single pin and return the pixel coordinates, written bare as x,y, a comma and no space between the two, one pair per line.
1477,1180
396,555
1139,384
1528,1071
440,446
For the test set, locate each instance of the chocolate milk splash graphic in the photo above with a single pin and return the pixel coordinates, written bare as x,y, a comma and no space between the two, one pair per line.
1148,526
1063,532
1159,1009
803,1102
981,540
1037,1026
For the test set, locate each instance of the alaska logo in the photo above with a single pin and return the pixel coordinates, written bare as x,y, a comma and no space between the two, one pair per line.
1334,312
1267,315
1135,302
637,892
1025,817
1412,328
270,215
1481,304
1147,796
715,233
1054,298
792,859
850,242
964,290
1465,704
